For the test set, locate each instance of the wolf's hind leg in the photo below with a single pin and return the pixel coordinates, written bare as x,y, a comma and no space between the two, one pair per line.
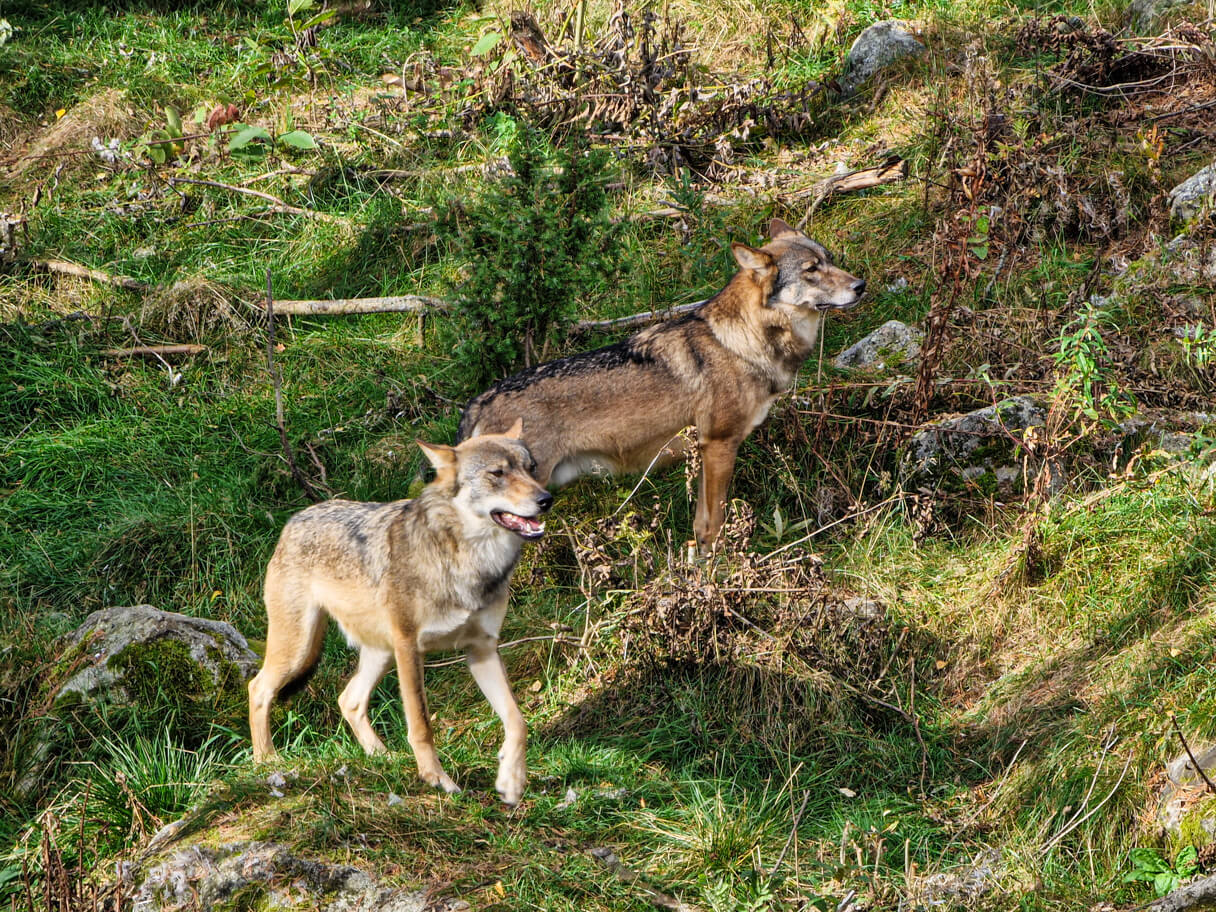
353,702
294,635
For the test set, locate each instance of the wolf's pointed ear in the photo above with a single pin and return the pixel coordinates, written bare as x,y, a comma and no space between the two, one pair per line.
779,228
440,455
750,258
517,429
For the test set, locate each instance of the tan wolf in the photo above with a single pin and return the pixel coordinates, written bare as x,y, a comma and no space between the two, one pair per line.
719,368
401,579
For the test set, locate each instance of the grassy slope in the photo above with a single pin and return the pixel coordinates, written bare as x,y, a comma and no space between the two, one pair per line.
1034,697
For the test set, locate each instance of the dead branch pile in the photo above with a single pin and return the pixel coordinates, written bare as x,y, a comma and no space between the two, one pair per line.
639,85
789,651
1095,61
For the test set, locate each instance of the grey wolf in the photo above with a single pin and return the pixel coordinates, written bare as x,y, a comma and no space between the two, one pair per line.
719,369
401,579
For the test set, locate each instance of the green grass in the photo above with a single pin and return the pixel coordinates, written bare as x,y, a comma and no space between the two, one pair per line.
1031,710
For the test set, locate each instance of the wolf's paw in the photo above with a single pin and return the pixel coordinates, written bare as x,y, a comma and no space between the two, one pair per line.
439,779
512,774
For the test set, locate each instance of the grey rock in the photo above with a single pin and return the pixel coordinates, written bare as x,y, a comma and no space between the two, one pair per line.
1181,771
208,877
1185,797
970,447
891,344
1150,15
1195,194
864,609
107,633
966,882
876,48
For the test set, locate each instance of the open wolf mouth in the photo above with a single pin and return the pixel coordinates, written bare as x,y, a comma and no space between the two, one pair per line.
523,526
848,306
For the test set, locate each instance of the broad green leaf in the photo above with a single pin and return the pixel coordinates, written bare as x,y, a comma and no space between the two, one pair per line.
299,6
486,43
247,134
323,16
297,139
174,119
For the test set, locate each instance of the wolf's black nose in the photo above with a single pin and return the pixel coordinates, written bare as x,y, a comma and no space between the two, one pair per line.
859,286
544,500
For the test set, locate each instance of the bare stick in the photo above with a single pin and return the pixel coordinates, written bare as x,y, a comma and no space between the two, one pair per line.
393,304
278,204
154,351
278,399
63,267
806,796
1198,766
638,319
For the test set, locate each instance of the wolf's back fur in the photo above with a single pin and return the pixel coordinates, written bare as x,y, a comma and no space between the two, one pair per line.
622,407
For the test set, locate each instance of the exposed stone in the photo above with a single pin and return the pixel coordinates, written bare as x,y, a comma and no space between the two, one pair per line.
876,48
1194,195
113,635
1187,808
891,344
979,449
267,874
1147,16
965,882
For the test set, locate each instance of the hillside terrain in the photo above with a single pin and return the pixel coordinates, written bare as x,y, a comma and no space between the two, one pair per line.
955,650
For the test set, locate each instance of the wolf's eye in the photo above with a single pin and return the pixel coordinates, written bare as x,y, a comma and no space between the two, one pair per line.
498,473
532,467
812,267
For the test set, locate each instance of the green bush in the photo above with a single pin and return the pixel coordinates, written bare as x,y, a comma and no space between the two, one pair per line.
534,246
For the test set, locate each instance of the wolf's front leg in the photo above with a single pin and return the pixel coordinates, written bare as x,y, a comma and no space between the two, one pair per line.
418,722
491,676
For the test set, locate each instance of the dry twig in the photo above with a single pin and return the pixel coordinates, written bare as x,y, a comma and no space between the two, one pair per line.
63,267
154,351
391,304
280,422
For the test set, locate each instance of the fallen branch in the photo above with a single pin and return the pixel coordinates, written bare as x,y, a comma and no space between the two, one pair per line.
393,304
638,319
63,267
154,351
849,181
277,205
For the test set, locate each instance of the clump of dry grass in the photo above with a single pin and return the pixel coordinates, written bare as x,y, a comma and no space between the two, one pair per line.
104,115
194,309
785,650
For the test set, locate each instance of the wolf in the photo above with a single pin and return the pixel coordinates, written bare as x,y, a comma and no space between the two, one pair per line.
401,579
719,368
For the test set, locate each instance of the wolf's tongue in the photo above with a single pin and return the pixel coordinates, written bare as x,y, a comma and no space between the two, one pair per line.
520,524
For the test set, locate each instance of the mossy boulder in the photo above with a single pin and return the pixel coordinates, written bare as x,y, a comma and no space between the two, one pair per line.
980,451
136,654
267,875
124,664
876,48
891,345
1186,808
1195,195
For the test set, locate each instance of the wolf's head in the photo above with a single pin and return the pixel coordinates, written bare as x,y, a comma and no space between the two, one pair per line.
798,273
491,480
